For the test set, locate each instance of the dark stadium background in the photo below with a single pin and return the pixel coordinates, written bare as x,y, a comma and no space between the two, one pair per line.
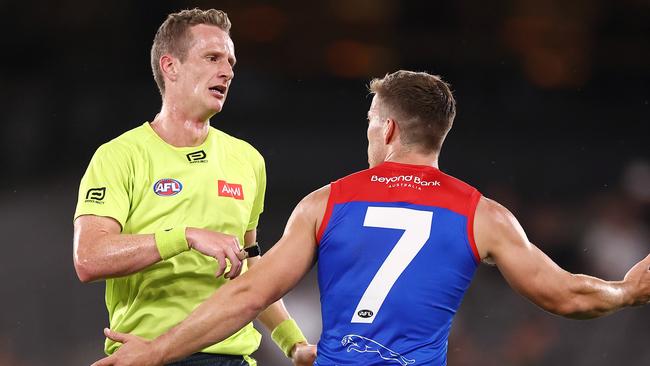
553,113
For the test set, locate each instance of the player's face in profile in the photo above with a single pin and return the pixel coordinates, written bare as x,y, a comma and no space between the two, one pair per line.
206,73
376,124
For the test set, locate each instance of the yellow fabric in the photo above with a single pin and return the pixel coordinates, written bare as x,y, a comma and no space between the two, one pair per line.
147,186
171,242
251,361
286,335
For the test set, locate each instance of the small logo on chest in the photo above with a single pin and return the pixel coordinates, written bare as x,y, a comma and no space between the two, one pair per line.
167,187
196,157
231,190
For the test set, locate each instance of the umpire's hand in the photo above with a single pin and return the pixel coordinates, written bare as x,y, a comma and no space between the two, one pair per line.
218,246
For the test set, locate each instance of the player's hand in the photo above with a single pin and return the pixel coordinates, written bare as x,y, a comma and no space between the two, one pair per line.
135,351
304,354
218,246
638,281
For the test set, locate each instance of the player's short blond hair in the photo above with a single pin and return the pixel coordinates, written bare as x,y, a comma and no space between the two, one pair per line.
173,36
422,105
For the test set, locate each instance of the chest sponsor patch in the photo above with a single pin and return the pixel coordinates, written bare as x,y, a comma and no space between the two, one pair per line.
167,187
231,190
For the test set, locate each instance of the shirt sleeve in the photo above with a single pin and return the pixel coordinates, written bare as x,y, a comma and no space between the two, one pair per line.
105,187
258,204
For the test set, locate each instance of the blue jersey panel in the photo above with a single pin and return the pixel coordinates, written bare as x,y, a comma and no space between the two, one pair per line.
412,323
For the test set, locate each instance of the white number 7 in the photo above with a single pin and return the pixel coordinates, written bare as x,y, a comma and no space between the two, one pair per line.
417,229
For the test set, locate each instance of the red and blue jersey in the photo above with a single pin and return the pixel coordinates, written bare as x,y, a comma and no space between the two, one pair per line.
396,255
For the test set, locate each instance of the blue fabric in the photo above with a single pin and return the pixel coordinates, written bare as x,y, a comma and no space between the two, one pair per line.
412,325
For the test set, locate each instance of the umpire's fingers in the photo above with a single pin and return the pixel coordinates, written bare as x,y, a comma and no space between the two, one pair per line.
117,336
235,264
242,254
221,263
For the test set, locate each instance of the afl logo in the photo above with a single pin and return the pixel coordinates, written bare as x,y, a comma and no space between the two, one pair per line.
365,313
167,187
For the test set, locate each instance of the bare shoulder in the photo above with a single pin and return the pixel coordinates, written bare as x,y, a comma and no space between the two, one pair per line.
315,203
311,209
493,212
494,227
319,196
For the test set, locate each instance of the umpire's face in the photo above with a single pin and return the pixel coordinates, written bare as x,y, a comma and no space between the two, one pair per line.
204,76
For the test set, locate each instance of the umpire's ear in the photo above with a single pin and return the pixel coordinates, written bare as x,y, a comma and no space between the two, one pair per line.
169,67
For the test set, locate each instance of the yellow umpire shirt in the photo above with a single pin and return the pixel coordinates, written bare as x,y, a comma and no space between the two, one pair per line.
148,185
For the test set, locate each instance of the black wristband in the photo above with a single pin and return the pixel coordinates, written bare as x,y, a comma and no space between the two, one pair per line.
253,251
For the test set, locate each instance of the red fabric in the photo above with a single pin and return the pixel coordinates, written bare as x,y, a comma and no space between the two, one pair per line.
416,184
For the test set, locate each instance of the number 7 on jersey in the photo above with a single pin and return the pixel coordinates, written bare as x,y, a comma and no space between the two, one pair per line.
417,230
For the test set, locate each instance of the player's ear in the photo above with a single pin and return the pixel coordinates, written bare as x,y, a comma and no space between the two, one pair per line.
169,67
389,130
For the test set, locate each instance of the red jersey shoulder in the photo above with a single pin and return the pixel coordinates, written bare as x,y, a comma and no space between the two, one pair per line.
457,184
394,182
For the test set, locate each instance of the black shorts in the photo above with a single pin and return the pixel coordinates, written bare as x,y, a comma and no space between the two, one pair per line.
208,359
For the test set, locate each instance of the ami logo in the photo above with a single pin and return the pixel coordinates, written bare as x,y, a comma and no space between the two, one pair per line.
230,190
167,187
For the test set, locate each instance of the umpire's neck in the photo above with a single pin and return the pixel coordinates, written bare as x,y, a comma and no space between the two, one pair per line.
181,129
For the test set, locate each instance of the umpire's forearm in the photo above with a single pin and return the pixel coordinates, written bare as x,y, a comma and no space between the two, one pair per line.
113,255
275,314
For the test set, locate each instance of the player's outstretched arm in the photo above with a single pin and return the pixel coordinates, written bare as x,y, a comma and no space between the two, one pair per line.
101,251
237,302
501,239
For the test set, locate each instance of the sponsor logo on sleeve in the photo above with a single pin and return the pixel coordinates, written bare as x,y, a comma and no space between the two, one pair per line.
405,181
167,187
96,195
197,157
230,190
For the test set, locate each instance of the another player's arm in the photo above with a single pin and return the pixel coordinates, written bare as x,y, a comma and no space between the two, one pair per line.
276,313
101,251
239,301
501,239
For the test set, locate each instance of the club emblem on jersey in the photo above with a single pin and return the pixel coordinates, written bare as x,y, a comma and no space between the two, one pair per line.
230,190
361,344
167,187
